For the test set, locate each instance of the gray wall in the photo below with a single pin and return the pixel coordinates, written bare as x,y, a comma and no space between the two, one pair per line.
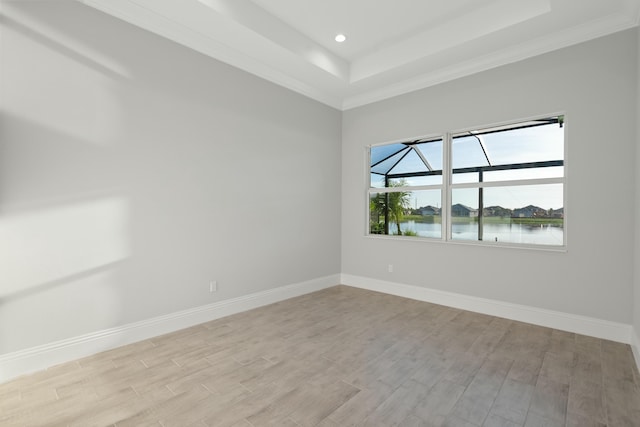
133,171
590,82
636,256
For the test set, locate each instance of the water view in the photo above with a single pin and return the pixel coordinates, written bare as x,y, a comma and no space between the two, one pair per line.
538,234
509,178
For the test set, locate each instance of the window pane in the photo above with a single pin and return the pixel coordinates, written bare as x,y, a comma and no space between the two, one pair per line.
530,150
381,152
376,181
508,175
385,165
416,180
466,152
464,178
530,173
411,213
407,164
532,214
531,144
464,214
411,163
432,152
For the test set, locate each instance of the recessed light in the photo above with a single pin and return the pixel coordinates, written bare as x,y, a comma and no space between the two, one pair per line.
340,38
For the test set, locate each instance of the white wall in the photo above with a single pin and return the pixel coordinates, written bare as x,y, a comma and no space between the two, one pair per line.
133,171
590,82
636,256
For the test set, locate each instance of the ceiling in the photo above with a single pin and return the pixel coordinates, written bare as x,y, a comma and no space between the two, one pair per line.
392,47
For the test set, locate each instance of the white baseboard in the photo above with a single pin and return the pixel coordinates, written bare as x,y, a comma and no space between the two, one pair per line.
598,328
42,357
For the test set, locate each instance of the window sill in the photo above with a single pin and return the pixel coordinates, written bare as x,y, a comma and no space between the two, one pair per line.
486,244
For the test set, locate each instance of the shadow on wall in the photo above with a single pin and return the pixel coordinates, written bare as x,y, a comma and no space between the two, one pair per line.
64,211
63,234
132,174
77,53
91,175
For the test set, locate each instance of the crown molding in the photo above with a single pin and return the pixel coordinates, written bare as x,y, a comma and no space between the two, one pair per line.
569,37
312,86
299,64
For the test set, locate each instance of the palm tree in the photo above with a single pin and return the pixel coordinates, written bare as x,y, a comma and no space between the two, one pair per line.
398,202
391,206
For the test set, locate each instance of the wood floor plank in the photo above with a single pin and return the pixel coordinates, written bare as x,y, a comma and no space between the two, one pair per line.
512,402
317,403
494,420
478,398
558,366
340,357
549,400
245,406
464,369
490,338
413,421
622,402
360,406
586,398
165,408
578,420
439,401
535,419
526,368
400,404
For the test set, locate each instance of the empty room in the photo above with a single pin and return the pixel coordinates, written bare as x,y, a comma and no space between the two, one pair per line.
320,213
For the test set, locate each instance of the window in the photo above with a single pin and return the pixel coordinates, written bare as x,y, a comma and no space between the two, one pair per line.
500,185
404,176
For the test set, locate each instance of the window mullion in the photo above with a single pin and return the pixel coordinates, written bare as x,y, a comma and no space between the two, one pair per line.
445,211
537,181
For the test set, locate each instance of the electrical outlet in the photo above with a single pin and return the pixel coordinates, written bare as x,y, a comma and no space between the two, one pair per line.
213,286
390,268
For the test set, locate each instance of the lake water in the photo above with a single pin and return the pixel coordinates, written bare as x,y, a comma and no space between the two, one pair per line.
511,233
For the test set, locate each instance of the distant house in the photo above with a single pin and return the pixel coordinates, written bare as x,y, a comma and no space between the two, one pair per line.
429,210
496,211
556,213
529,212
462,210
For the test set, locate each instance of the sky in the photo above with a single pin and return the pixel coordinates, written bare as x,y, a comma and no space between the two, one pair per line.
538,143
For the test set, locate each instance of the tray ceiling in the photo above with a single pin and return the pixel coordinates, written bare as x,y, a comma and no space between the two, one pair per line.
392,47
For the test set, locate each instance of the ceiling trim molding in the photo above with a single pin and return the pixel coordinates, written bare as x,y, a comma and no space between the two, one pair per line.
602,27
149,20
256,20
260,51
495,17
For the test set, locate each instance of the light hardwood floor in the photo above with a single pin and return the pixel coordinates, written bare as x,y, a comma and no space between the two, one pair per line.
340,357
